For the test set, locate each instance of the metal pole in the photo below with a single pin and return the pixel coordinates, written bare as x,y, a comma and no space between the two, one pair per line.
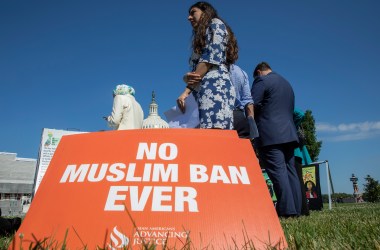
328,183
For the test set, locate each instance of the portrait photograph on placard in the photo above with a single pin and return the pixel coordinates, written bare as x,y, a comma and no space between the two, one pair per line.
311,182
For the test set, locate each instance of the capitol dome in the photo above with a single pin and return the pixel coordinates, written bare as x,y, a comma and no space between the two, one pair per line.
154,120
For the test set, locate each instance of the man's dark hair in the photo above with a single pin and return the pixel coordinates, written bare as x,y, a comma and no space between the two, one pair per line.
261,66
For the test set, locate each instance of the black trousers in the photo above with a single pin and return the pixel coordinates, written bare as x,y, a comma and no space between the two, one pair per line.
305,206
241,124
278,161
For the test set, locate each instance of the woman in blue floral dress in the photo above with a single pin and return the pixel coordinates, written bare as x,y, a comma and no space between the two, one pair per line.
214,49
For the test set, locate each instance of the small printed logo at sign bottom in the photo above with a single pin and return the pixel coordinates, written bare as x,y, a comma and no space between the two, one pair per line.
157,235
119,240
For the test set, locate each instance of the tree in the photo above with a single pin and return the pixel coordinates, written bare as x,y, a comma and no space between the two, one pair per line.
371,190
312,145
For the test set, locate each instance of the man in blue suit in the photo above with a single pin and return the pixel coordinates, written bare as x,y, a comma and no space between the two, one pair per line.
273,98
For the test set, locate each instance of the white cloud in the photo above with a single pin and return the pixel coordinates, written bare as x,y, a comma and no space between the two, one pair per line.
325,127
348,132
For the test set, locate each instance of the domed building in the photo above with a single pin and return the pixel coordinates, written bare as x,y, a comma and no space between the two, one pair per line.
154,120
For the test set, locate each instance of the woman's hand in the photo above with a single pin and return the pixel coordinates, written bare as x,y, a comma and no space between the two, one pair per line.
181,101
192,78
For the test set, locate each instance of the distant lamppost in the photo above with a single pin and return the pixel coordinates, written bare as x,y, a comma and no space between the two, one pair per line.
354,180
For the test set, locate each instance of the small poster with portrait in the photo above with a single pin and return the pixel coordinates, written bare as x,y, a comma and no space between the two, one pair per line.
310,175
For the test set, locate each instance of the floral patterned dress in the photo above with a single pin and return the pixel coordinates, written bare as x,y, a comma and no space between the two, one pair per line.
215,94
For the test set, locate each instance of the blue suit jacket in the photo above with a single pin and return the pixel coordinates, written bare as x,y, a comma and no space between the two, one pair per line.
273,98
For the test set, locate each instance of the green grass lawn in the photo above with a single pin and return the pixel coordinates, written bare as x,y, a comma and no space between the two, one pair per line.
346,226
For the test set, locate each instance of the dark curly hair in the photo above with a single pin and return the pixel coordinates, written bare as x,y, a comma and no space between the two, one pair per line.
199,34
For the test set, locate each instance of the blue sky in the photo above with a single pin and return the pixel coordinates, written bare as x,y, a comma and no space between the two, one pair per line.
60,60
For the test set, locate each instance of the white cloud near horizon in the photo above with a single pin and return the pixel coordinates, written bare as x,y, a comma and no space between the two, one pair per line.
348,132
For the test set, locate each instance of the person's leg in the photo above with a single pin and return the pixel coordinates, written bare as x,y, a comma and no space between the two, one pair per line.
293,178
272,159
305,206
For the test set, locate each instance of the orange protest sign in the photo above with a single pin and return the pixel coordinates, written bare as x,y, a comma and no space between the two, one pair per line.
167,187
